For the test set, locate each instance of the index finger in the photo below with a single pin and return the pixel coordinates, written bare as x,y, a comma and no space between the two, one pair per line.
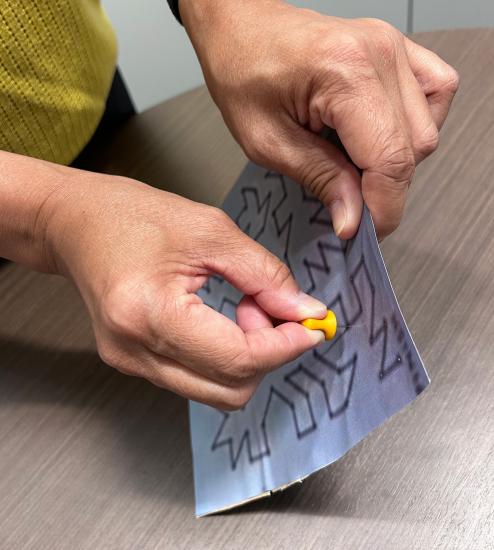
211,344
376,135
438,80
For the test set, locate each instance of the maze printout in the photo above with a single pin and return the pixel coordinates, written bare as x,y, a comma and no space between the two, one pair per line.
313,410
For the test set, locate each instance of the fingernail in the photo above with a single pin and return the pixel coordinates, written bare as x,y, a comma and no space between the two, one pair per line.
316,336
310,307
338,215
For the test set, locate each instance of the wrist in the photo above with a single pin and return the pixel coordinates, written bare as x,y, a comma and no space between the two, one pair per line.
29,188
59,220
196,13
203,19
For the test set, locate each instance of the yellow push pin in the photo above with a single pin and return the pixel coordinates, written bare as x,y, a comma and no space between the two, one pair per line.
328,325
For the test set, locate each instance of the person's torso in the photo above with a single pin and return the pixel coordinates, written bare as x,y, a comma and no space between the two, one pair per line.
57,60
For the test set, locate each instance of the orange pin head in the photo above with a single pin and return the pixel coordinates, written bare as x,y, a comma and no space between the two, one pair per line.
328,325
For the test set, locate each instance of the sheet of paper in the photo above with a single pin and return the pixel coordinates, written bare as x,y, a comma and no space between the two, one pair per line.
313,410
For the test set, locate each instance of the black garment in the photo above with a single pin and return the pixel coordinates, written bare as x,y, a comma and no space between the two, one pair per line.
119,108
174,7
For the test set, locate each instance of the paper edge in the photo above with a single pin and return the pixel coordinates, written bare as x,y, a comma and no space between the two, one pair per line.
265,494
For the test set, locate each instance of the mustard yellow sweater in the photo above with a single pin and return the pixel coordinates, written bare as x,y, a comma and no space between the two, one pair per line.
57,60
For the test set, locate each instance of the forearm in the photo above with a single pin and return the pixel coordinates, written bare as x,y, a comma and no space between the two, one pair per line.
28,188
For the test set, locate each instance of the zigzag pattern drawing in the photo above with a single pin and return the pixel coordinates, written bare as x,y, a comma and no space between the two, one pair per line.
299,399
322,264
327,380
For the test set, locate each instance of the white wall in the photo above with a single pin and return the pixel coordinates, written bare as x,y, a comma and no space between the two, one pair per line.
158,62
155,56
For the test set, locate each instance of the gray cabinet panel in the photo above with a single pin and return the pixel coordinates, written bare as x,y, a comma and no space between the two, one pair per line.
450,14
393,11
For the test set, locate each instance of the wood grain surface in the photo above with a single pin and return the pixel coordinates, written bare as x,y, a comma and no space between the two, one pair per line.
91,459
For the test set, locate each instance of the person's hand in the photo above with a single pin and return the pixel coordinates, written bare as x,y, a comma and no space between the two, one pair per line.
138,255
279,74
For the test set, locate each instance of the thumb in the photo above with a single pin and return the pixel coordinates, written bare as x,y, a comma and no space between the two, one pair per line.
256,272
325,171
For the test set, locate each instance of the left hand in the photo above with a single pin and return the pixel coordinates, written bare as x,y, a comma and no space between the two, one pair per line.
279,74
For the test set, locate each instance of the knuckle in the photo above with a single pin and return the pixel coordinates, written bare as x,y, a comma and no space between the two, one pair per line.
176,332
108,355
277,272
386,45
381,37
385,38
238,399
349,56
240,368
428,141
399,164
320,180
257,145
123,310
351,47
115,358
342,89
450,80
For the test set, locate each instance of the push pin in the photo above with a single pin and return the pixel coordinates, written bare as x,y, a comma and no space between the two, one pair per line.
328,325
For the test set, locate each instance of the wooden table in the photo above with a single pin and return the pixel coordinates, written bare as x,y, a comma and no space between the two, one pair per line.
92,459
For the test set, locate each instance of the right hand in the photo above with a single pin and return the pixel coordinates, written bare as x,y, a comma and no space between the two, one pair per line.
280,74
138,255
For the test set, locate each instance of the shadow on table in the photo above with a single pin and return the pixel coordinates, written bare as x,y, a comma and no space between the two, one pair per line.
143,429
